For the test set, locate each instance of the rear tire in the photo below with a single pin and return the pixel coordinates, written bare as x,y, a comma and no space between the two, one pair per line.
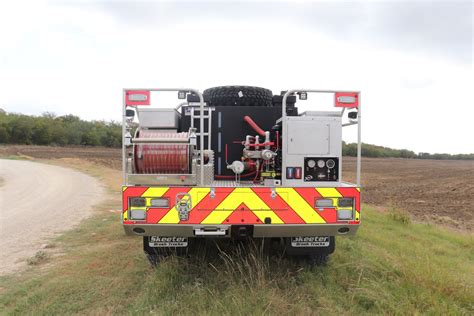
318,260
238,95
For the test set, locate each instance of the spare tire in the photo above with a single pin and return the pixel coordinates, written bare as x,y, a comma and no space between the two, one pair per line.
238,95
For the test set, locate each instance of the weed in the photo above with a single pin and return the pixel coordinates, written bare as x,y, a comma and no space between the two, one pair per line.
40,257
400,216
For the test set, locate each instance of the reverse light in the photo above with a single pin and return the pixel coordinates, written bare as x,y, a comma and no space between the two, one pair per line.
137,202
324,203
138,214
345,215
160,203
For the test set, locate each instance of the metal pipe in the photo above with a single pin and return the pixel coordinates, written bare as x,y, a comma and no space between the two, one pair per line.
180,105
349,124
267,140
124,170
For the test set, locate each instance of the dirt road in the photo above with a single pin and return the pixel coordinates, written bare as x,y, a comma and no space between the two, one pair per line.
38,201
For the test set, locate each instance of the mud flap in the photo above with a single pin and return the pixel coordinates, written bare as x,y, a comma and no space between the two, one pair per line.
156,248
310,245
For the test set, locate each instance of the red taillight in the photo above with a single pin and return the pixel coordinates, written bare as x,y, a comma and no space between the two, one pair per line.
137,97
346,99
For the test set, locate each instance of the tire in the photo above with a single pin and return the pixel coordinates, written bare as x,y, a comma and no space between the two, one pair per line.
238,95
318,260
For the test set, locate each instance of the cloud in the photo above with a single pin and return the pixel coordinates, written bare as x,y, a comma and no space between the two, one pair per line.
443,29
77,58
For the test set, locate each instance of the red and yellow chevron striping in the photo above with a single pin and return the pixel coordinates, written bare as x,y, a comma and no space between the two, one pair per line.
243,205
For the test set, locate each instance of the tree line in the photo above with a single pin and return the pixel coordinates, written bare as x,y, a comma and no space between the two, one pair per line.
375,151
49,129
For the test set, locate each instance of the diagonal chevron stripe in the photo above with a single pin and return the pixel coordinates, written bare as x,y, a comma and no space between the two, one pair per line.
299,205
329,192
232,202
197,194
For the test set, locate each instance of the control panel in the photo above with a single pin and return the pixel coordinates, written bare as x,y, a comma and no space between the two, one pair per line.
321,169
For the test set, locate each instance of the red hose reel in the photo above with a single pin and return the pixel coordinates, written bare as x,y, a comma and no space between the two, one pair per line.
161,158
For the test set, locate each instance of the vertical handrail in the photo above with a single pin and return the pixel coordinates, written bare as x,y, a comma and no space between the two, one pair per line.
359,141
124,163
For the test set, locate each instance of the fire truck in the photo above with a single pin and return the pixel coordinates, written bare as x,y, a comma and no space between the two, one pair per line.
238,162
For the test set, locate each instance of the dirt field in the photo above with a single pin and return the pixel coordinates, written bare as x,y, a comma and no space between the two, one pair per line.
430,190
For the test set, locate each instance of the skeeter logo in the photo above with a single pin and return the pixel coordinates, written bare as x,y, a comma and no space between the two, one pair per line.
314,241
158,241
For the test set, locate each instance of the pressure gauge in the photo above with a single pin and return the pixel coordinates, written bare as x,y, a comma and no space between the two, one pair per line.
321,163
311,163
330,163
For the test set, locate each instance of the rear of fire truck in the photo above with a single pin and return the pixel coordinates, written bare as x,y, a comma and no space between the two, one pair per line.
238,162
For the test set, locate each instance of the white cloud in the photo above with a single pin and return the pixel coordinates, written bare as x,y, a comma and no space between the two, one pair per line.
77,59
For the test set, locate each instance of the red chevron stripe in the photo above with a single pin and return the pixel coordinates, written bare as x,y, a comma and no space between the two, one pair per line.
309,195
279,206
154,215
242,215
351,192
207,205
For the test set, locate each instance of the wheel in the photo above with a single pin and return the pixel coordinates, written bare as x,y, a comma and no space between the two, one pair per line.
238,95
318,260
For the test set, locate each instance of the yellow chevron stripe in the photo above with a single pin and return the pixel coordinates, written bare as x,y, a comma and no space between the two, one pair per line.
197,194
357,216
242,195
328,192
237,197
155,192
216,217
299,205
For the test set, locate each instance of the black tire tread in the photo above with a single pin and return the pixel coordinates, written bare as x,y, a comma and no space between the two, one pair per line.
229,96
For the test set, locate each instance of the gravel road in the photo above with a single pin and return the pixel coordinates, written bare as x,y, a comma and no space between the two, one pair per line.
37,202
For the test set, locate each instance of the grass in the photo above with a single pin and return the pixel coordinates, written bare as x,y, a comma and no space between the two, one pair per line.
39,258
16,157
392,266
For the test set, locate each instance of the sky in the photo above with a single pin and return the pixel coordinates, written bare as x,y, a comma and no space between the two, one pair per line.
412,60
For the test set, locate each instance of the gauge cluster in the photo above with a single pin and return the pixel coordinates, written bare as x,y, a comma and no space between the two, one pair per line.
321,169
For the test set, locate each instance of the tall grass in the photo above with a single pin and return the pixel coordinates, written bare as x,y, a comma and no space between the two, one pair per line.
391,266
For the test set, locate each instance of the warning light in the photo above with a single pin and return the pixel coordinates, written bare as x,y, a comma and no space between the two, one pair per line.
137,97
346,99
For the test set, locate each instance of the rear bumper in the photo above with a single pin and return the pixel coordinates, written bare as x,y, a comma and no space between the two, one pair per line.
263,230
